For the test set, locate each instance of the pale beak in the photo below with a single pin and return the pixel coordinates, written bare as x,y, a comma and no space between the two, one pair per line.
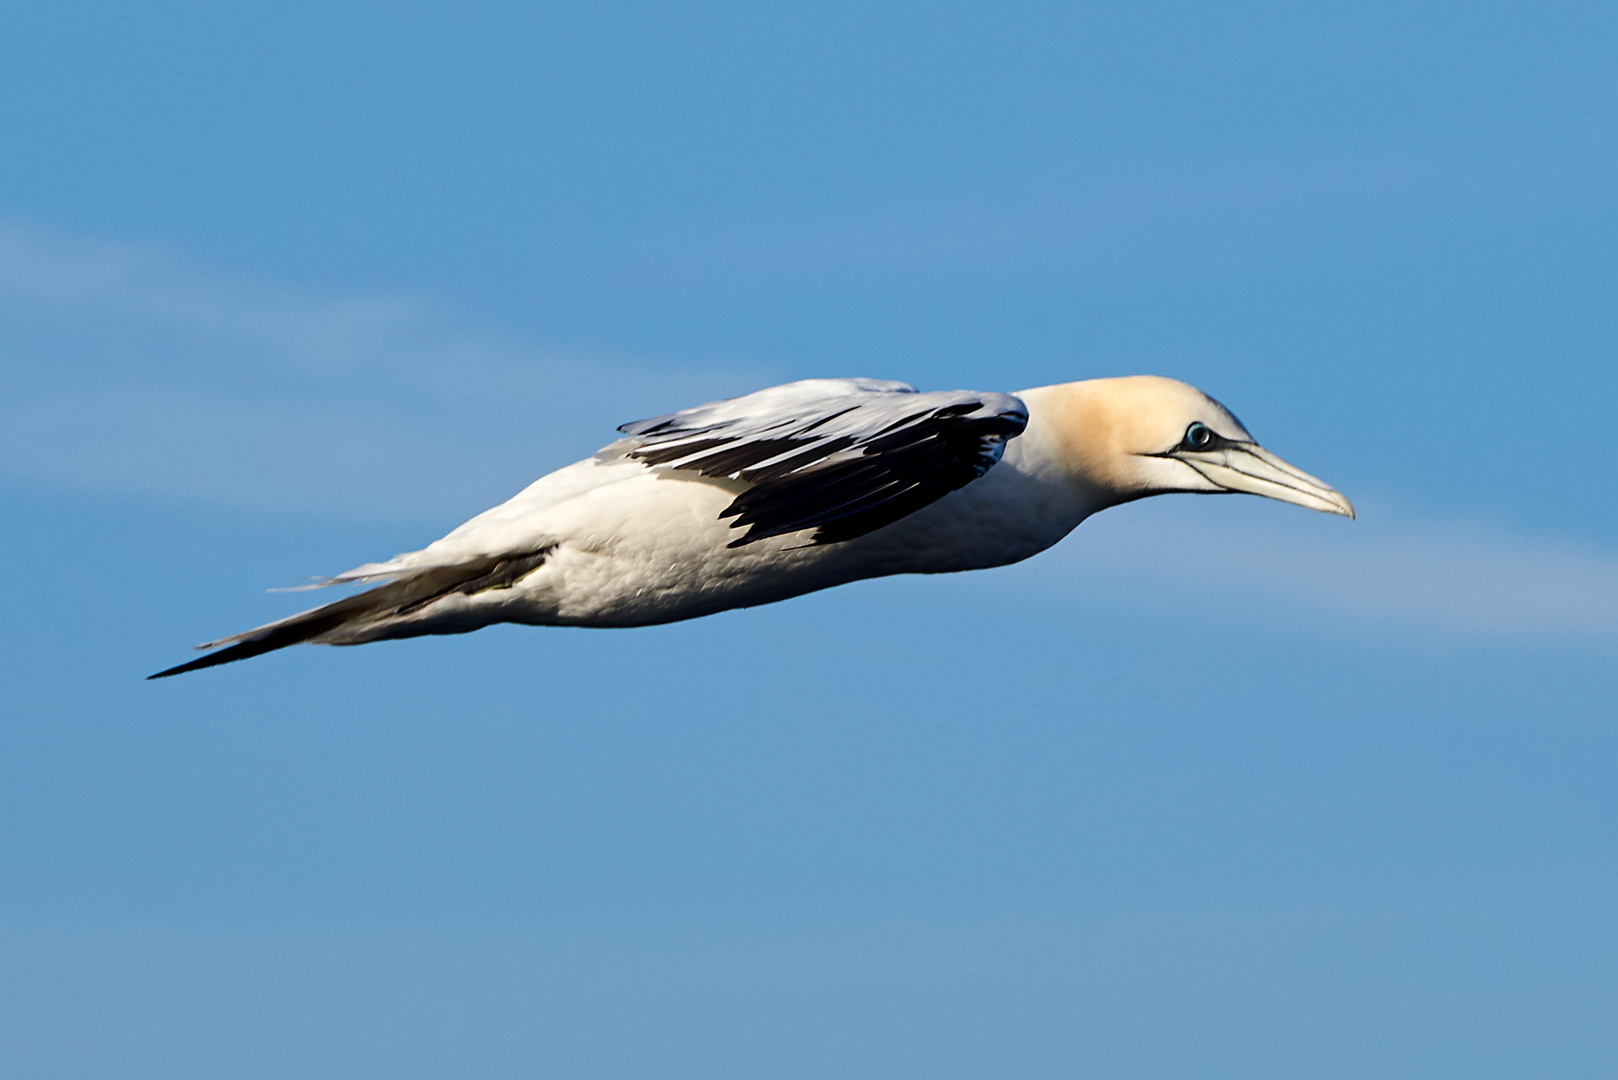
1251,469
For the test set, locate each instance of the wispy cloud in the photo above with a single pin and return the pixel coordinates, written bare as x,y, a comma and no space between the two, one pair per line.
1198,559
127,370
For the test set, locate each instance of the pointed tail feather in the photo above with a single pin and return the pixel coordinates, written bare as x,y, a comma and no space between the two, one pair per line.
388,601
277,635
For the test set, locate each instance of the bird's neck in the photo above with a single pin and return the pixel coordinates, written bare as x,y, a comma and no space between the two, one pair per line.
1052,452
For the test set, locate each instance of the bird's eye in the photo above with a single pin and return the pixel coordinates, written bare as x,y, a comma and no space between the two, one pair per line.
1198,436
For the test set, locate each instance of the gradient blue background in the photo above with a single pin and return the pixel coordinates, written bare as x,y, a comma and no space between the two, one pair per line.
1216,788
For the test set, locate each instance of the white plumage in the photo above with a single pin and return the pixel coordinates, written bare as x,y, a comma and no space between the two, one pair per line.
797,488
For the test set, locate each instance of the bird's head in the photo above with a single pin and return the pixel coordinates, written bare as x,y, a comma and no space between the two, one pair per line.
1146,435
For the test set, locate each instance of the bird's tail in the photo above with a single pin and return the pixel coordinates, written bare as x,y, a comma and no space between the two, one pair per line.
394,600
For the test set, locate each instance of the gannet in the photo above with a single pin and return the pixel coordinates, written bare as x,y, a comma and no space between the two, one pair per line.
797,488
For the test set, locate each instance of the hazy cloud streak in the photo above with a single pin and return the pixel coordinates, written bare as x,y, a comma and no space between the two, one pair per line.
127,371
1198,560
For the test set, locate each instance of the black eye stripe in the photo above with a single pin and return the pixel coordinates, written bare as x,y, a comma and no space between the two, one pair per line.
1199,438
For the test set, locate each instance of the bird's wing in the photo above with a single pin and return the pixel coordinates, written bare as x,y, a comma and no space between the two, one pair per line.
410,593
841,456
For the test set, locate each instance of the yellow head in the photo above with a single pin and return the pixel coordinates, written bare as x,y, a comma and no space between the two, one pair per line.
1147,435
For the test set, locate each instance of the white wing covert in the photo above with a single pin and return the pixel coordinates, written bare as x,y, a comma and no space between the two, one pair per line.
841,456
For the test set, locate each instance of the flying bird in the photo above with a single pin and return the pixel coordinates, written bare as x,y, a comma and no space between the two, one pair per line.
796,488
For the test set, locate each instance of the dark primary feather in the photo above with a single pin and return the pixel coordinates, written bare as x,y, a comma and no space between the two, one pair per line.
843,457
395,599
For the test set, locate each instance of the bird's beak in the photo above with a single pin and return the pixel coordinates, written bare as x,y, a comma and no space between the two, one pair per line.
1249,468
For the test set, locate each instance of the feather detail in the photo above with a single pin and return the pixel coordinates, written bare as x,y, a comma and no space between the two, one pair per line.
843,457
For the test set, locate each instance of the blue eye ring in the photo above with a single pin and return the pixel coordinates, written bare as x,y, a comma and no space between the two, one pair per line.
1199,436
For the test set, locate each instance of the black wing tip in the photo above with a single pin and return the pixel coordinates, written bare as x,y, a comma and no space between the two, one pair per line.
198,664
240,651
398,598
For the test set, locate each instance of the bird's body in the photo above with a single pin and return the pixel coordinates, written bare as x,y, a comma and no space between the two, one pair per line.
794,489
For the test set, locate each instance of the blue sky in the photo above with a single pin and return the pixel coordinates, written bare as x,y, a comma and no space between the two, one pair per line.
1215,788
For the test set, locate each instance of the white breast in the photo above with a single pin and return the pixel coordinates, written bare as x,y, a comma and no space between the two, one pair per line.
653,548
